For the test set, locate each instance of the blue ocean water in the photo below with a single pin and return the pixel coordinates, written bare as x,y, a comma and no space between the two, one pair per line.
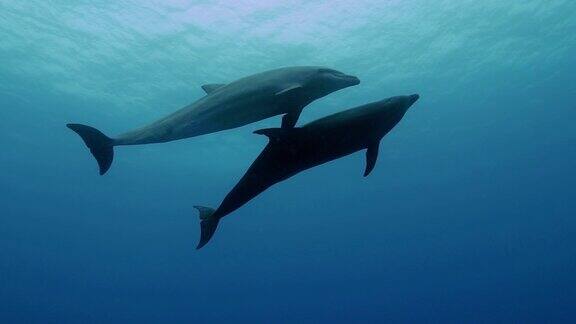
469,215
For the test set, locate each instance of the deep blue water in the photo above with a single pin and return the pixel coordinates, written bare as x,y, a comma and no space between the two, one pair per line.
469,215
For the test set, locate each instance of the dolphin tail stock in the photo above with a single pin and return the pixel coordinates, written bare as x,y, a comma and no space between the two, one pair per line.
100,145
208,225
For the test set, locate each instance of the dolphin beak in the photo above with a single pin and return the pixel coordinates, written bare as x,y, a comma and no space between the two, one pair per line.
414,98
354,80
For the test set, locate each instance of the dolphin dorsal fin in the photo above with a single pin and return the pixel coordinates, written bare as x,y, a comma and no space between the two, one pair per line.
209,88
288,89
371,157
274,134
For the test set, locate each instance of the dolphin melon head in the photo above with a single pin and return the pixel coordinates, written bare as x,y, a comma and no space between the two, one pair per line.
324,81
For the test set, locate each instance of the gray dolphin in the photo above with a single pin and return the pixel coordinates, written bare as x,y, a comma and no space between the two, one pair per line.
281,91
290,151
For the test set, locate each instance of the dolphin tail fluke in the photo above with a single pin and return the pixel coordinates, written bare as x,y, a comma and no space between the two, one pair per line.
100,145
208,225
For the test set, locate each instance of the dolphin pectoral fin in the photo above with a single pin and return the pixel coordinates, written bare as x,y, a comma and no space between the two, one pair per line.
290,98
208,225
288,89
209,88
371,157
289,120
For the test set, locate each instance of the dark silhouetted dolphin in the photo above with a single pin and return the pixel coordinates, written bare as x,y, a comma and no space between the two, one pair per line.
290,151
282,91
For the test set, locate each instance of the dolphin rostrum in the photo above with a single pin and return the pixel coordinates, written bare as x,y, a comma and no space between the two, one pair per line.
290,151
282,91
